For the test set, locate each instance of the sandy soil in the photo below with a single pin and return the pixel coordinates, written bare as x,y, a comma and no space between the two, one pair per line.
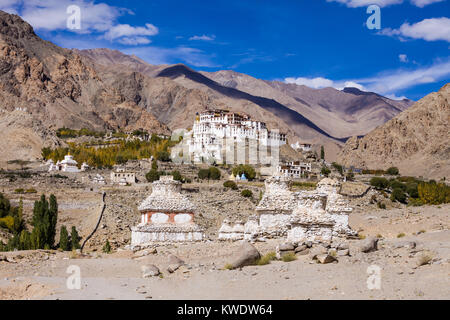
42,274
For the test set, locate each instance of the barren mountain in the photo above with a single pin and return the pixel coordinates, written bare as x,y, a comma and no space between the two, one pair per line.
351,111
56,87
417,141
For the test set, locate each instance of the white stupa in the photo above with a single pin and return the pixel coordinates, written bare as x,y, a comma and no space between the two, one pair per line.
69,164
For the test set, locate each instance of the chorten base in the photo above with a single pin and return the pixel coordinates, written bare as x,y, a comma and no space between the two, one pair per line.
148,233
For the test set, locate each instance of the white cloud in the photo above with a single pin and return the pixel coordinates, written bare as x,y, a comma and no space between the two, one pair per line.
386,83
122,30
160,55
203,38
315,83
366,3
403,58
434,29
99,18
423,3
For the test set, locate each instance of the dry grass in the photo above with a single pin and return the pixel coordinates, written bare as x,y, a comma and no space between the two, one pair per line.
266,258
289,257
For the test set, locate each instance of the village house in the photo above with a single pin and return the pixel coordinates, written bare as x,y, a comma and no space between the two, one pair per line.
305,147
122,176
294,169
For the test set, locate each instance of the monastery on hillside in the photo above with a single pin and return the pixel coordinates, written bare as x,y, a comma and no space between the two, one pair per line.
213,127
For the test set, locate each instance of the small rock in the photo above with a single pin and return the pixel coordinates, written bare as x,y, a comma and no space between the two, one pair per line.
343,246
325,258
369,245
301,248
150,271
318,250
309,244
344,252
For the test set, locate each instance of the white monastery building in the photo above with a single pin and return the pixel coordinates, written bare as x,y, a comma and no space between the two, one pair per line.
213,128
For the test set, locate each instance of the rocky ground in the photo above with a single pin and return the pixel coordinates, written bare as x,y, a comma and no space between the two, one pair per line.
413,251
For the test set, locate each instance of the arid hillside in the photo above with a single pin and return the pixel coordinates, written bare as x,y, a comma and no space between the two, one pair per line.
417,141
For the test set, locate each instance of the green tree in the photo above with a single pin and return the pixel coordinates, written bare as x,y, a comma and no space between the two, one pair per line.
75,238
64,243
44,220
322,153
379,183
177,175
152,175
247,193
25,240
393,171
163,156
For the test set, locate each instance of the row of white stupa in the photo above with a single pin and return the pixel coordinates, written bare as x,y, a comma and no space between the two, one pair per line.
66,165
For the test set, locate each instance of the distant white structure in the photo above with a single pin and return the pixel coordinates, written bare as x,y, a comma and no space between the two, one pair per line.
213,127
123,177
66,165
294,169
85,167
306,147
98,179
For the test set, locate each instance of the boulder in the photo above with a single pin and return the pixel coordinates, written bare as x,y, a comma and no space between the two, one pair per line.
303,252
325,258
174,263
343,246
314,252
150,271
286,247
369,245
345,252
300,248
245,255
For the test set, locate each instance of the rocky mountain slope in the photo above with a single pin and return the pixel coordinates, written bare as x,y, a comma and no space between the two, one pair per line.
55,87
417,141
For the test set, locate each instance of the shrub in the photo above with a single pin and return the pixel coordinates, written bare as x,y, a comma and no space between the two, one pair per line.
393,171
152,175
401,235
31,190
245,169
289,257
412,189
338,168
228,266
230,184
379,183
266,258
304,185
19,191
381,205
398,195
424,258
107,247
7,222
214,173
203,174
246,193
177,175
394,184
325,171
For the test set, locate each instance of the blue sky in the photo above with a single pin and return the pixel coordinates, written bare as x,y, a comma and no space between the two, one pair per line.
318,43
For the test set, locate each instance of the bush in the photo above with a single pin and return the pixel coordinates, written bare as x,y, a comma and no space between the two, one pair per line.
325,171
177,175
412,189
7,222
107,247
289,257
245,169
394,184
266,258
19,191
230,184
393,171
338,168
246,193
379,183
203,174
152,175
398,195
381,205
214,173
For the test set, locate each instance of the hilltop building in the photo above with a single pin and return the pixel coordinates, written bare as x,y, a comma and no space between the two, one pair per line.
122,176
213,127
294,169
